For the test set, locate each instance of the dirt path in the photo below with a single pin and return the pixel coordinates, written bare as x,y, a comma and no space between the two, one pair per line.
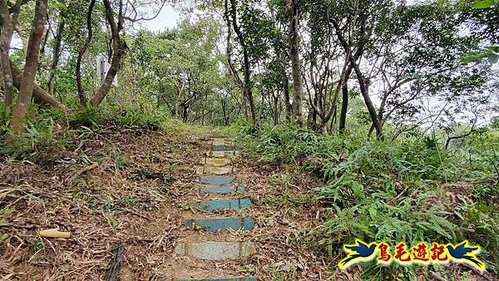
145,194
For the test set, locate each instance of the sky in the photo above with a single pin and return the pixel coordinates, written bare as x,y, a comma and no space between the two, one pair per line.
167,18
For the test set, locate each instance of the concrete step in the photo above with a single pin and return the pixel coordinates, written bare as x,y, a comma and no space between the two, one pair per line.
222,154
213,250
224,204
221,189
222,141
222,224
217,180
224,148
210,170
216,162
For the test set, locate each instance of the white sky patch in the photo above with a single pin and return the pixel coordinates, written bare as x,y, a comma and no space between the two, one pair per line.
167,18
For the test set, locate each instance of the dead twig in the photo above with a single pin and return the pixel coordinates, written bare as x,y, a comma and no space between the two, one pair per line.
133,212
80,172
115,265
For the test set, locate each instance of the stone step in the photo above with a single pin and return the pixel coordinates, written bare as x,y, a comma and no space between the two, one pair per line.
217,162
222,224
224,148
215,251
222,141
221,189
217,180
224,204
207,170
222,154
218,279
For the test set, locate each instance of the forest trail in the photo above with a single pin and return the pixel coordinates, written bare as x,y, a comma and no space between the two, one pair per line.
162,197
229,231
220,192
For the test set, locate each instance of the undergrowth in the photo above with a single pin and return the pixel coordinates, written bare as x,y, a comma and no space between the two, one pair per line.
410,190
51,131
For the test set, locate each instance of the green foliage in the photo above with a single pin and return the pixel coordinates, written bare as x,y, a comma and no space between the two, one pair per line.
379,191
491,53
483,154
180,70
39,142
50,132
138,113
87,117
484,4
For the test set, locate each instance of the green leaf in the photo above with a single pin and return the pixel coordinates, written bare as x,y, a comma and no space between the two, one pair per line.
373,213
483,4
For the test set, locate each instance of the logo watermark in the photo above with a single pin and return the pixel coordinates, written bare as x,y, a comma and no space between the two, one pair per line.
421,253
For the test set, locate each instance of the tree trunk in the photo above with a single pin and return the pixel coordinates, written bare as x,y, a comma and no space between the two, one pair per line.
57,55
367,100
43,45
5,40
28,80
344,89
81,53
362,80
185,111
119,48
224,111
246,64
294,52
344,106
287,99
312,122
41,96
276,110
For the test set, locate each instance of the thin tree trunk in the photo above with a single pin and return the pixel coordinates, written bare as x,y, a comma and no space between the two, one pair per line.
185,111
119,48
5,40
246,64
276,110
56,55
313,112
367,100
81,53
28,81
362,80
232,69
344,107
43,45
295,58
344,90
287,100
224,111
204,109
